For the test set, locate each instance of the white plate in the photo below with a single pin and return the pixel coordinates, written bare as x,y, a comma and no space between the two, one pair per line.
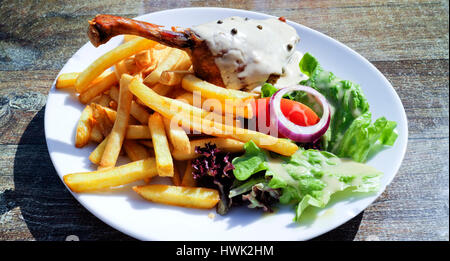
127,212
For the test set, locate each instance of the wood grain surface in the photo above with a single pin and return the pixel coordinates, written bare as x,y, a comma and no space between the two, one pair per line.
407,40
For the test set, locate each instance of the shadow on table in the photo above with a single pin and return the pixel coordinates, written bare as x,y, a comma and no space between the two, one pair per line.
50,211
47,207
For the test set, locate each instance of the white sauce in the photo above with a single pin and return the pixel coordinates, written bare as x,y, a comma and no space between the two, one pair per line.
248,51
292,74
276,165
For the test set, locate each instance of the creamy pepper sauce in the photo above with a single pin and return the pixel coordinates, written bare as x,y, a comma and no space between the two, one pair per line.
248,51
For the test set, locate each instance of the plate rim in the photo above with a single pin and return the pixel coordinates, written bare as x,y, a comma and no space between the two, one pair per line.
108,221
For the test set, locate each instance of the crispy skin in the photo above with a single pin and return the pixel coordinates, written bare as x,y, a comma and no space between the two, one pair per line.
104,27
204,65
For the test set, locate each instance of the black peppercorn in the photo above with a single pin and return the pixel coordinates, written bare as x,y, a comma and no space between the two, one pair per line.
234,31
259,27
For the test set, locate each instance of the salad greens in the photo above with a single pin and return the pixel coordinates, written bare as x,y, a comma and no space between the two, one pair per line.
213,169
309,177
258,193
253,161
267,90
351,133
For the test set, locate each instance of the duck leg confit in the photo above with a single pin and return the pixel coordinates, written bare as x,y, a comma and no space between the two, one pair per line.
233,53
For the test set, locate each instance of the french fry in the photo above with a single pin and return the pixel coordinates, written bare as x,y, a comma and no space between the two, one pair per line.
147,70
131,66
211,105
129,37
84,127
96,134
113,105
137,111
98,86
104,100
231,101
164,162
208,90
281,146
104,168
160,47
102,111
161,104
166,106
176,179
176,92
96,155
169,106
188,97
140,103
135,151
111,177
66,80
117,135
175,60
109,59
162,89
147,143
188,179
223,144
138,132
172,78
103,119
183,64
95,99
157,54
143,59
120,68
177,105
177,136
114,93
203,198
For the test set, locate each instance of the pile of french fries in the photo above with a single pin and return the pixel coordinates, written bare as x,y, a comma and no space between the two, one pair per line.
143,101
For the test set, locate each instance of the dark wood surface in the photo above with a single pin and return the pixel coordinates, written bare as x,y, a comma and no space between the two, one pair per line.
406,40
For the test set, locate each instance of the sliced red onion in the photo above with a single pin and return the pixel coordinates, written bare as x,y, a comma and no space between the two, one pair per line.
291,130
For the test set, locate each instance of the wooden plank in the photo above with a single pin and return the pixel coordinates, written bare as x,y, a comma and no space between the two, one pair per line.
34,203
379,30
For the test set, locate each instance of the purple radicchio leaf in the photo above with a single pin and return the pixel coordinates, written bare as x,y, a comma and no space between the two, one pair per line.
213,169
262,196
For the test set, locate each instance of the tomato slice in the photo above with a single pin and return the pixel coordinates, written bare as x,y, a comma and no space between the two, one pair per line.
294,111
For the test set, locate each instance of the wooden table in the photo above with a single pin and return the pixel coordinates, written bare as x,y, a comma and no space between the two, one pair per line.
406,40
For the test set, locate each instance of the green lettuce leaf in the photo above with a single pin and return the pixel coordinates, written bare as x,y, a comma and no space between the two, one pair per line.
362,136
310,177
243,187
267,90
257,192
307,178
253,161
351,132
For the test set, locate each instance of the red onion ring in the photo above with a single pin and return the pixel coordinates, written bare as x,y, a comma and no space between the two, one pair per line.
291,130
